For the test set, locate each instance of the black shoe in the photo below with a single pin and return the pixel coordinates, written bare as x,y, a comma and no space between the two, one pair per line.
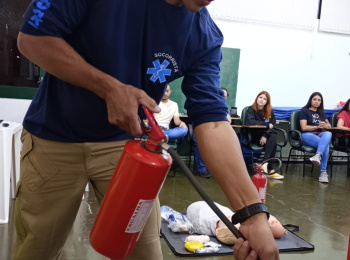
204,174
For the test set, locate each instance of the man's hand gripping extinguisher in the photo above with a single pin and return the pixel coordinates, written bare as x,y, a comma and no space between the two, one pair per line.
132,191
260,179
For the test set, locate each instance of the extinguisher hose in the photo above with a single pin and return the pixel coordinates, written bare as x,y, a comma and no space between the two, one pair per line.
201,192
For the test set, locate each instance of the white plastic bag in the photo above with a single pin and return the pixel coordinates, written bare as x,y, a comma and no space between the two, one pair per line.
177,222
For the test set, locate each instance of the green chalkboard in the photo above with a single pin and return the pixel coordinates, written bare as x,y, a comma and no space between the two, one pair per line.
229,76
17,92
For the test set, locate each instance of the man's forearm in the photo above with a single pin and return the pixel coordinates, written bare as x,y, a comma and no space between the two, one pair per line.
221,152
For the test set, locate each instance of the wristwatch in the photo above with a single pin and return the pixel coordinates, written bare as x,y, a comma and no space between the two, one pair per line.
244,213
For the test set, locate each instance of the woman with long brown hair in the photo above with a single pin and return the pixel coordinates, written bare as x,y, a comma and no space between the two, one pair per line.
313,123
261,113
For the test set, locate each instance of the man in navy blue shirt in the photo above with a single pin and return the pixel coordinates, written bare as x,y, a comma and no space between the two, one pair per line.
103,59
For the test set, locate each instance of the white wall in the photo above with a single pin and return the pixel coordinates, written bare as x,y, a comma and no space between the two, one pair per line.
13,110
288,63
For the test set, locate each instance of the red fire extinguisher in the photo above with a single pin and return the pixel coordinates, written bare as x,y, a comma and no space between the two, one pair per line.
260,182
132,191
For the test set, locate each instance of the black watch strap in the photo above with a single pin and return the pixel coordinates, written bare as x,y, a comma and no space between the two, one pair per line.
244,213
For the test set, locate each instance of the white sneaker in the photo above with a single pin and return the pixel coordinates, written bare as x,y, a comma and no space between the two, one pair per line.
316,159
323,177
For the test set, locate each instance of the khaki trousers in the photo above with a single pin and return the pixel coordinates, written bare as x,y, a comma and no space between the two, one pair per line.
50,190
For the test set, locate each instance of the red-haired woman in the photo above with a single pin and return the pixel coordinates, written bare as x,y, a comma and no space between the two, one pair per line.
261,113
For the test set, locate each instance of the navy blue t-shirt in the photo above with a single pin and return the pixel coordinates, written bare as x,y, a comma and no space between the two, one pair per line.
312,117
143,43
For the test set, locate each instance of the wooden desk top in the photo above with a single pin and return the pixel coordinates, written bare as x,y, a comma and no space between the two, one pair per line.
249,126
185,115
337,129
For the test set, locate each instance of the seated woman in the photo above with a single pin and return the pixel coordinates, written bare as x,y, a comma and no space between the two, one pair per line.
344,122
261,113
313,123
206,222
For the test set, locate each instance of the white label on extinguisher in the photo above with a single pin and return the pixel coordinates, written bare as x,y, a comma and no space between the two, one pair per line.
139,217
262,194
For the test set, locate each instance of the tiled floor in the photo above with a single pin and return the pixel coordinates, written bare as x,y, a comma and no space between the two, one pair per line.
321,211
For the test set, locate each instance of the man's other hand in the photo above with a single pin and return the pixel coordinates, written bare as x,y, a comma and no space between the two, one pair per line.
260,242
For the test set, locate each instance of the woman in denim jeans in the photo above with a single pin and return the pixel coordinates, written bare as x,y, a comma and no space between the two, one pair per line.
313,123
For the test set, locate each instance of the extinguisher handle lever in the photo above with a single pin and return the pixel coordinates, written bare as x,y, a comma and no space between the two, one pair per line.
154,132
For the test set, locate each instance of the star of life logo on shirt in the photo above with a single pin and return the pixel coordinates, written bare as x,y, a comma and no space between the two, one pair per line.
159,71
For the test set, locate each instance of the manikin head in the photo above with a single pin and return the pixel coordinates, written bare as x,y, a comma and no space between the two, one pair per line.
224,235
276,227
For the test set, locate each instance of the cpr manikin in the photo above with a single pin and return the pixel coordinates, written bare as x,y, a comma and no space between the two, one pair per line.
206,222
